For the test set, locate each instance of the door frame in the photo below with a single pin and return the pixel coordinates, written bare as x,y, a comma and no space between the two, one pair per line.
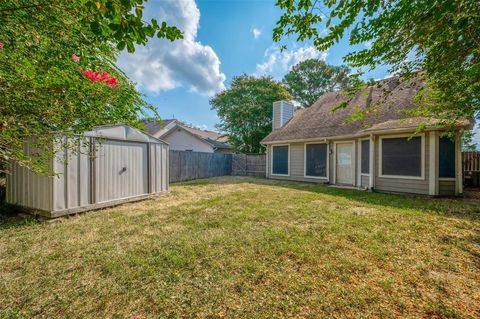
354,167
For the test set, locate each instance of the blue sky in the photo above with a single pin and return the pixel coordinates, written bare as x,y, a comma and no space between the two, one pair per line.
223,38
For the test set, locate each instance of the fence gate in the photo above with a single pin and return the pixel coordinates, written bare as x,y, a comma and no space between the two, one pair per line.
239,164
248,164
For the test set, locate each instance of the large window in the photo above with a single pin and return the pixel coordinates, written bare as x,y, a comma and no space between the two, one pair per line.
365,157
316,158
446,158
401,156
280,160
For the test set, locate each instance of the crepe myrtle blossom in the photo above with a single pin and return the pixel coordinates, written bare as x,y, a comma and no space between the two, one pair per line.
101,76
1,45
75,58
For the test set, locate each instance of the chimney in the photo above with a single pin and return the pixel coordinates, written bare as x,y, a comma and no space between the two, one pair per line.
282,113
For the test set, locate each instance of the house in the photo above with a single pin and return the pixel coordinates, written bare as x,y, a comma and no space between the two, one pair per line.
115,164
379,153
182,137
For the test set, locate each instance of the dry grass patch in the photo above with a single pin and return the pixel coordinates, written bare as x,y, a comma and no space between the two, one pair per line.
241,247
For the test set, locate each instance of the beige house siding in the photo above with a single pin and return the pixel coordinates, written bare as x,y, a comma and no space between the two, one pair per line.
382,184
446,187
180,140
296,165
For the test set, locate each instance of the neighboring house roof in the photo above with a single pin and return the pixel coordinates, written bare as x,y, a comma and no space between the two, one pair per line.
166,127
388,111
152,126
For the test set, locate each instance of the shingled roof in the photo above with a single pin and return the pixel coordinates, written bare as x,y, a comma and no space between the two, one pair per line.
152,126
384,111
213,138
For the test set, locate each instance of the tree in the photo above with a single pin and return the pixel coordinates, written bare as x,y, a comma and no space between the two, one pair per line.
439,38
58,75
245,110
311,78
468,144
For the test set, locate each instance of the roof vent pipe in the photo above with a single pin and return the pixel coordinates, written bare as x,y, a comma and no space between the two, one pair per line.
282,113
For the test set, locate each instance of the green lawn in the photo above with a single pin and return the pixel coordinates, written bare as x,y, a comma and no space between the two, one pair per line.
250,248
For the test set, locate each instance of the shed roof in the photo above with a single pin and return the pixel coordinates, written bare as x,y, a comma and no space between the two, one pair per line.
386,105
123,132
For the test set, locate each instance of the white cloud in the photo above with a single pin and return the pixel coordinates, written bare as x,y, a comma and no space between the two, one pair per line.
256,33
277,63
203,127
164,65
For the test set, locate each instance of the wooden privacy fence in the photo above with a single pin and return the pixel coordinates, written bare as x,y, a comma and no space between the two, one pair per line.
248,164
471,161
186,165
471,169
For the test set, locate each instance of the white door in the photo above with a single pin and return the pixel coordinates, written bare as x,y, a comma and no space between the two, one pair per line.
344,165
120,170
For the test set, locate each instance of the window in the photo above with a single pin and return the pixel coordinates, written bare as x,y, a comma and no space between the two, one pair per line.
365,157
446,158
401,156
280,160
316,157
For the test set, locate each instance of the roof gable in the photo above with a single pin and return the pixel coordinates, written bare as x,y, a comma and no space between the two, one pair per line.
213,139
161,129
154,126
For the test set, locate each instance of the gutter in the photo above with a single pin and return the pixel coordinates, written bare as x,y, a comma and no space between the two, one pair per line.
364,133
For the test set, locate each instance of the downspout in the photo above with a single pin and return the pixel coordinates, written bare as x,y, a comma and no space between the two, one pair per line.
458,164
371,180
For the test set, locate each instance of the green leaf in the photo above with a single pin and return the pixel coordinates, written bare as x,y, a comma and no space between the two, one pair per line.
130,47
121,45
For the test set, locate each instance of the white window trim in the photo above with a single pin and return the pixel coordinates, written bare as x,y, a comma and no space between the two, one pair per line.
452,179
354,145
360,156
271,161
305,161
422,155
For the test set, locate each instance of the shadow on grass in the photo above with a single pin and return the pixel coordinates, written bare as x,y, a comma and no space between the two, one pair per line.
450,207
10,217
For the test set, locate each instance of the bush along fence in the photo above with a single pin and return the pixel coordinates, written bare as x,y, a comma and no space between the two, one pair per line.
186,165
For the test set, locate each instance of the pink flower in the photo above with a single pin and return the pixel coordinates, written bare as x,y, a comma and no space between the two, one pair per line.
75,58
1,45
93,76
101,76
112,82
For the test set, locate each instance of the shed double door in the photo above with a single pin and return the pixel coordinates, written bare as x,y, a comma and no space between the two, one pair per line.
121,170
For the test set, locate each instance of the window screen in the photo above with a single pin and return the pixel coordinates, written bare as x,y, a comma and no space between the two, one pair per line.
365,157
446,152
402,156
280,160
316,160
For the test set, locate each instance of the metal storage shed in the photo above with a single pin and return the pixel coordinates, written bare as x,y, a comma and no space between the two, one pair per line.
126,165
